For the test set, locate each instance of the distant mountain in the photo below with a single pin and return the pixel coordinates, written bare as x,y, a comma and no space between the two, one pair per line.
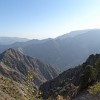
15,65
30,42
64,53
11,40
72,34
74,81
68,51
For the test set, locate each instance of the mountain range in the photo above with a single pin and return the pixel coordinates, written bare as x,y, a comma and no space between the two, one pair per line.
64,51
11,40
29,70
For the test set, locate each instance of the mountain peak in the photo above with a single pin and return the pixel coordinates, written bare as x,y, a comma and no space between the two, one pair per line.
10,50
10,53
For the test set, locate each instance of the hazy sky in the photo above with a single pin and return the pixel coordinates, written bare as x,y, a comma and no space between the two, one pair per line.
47,18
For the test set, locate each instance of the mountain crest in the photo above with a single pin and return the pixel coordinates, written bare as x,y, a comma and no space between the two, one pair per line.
19,63
11,51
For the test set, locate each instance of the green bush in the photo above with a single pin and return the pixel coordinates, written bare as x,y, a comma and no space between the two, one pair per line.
98,68
94,89
88,77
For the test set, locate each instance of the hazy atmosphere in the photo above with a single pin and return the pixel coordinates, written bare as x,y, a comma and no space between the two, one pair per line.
49,49
41,19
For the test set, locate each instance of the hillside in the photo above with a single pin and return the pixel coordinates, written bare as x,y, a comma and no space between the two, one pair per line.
21,75
11,90
72,82
16,66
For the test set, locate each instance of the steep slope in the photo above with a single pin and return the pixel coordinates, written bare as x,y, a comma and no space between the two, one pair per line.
71,82
11,90
16,66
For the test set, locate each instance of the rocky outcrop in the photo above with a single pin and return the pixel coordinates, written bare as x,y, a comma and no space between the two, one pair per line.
71,82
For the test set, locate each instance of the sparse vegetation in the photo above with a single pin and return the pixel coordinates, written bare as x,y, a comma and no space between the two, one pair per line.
33,93
11,89
98,68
